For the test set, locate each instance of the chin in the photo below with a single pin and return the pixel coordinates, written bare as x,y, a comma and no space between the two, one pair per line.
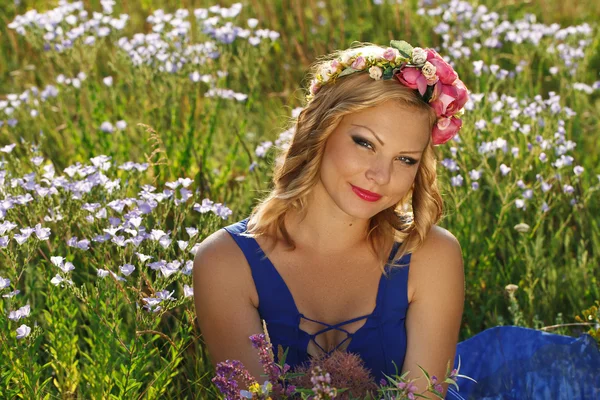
363,211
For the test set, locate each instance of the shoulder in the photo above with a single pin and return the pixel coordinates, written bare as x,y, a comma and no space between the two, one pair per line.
220,261
438,262
439,244
217,247
225,311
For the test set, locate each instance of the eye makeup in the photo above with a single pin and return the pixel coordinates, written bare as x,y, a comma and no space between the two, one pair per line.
362,142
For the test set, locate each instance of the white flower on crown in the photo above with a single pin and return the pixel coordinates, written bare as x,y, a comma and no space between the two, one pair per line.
326,72
375,72
419,56
428,71
345,58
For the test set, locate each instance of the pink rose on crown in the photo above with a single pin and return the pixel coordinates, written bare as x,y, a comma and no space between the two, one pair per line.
447,100
444,71
314,87
445,129
413,78
359,63
336,65
390,54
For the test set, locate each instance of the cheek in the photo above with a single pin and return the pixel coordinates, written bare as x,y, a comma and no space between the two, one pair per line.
403,184
343,159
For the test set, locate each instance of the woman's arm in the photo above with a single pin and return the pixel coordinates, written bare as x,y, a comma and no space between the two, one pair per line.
434,315
226,315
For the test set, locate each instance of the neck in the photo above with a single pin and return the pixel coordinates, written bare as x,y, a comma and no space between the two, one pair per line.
325,229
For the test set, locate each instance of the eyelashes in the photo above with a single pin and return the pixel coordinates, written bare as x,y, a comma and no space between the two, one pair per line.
365,143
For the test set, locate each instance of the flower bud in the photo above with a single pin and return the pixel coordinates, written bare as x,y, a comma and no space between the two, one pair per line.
511,288
428,72
522,227
419,56
375,72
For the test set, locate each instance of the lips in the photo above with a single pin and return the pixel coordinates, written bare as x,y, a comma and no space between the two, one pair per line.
365,194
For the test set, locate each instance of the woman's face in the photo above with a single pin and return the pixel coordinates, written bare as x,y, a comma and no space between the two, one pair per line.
378,150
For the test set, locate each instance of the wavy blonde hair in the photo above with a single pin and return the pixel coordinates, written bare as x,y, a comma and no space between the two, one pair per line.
297,168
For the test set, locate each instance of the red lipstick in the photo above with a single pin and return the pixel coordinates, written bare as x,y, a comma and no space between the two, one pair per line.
365,194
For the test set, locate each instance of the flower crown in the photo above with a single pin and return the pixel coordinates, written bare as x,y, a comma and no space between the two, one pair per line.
421,69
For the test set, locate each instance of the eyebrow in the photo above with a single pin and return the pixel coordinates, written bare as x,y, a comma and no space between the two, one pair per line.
380,141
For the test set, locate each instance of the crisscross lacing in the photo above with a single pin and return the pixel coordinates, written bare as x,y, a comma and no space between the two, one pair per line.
330,327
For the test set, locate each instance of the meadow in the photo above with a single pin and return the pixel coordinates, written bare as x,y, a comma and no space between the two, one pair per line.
130,131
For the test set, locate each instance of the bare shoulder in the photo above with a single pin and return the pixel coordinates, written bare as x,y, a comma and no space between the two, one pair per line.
440,244
439,258
220,260
225,312
216,249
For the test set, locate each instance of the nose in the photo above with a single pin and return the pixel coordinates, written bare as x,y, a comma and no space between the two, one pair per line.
379,171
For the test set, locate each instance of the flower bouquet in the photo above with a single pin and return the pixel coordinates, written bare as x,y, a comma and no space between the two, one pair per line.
340,375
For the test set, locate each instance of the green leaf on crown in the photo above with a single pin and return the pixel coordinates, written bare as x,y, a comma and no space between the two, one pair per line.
388,73
428,94
403,47
348,71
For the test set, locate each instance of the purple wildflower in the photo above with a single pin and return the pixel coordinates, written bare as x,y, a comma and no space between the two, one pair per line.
291,389
408,389
546,186
504,169
225,380
568,189
322,384
457,180
475,174
453,374
436,385
267,360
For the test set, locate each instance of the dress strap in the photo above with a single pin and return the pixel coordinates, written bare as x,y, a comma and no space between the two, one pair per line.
274,298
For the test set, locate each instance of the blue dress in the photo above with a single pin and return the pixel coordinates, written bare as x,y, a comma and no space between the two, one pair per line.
512,362
508,362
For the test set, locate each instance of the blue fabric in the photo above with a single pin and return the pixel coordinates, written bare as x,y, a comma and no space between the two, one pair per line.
512,362
508,362
381,340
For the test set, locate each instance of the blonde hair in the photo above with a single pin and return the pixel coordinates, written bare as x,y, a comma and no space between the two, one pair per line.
297,168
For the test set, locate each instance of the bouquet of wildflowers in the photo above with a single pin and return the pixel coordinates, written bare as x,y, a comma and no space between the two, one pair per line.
340,375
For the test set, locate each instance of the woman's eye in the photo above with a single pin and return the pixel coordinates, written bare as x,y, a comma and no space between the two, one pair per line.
407,160
367,144
361,142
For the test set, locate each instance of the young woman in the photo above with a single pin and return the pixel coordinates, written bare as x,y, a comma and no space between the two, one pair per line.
362,154
345,251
